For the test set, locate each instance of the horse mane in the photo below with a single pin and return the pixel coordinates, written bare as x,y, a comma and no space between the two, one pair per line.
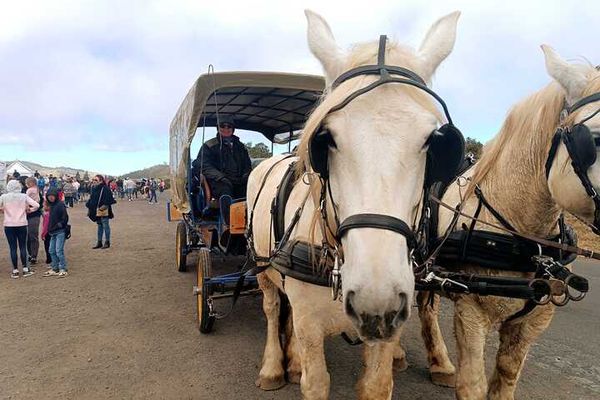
360,54
530,125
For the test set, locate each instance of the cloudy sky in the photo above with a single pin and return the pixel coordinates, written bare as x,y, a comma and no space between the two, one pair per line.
95,84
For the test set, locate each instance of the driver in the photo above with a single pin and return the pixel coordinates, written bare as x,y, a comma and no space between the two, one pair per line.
224,162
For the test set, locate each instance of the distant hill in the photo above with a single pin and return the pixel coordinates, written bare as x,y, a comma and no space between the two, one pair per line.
160,171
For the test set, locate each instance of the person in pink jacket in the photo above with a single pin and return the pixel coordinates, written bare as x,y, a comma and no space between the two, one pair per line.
15,206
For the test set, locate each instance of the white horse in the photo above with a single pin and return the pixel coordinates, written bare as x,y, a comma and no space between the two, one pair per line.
512,177
376,166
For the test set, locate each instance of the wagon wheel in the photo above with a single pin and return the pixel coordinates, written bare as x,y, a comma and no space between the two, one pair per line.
181,247
203,310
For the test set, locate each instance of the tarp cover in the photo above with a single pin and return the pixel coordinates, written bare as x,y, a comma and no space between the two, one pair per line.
266,102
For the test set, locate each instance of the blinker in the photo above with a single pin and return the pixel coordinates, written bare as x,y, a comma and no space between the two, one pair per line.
584,146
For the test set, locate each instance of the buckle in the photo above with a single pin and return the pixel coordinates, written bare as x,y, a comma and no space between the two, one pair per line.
336,276
323,256
445,281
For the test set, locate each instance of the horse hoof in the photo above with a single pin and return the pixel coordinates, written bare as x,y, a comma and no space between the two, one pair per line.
400,364
443,379
294,377
270,383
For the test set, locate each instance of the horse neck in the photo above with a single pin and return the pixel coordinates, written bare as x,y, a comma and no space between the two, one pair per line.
518,190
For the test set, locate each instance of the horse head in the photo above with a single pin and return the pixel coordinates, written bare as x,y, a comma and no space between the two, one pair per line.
573,168
374,163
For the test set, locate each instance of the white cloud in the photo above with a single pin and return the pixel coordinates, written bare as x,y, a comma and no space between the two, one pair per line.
100,71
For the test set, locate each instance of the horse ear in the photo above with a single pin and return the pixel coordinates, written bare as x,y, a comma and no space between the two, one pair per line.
322,44
438,43
569,76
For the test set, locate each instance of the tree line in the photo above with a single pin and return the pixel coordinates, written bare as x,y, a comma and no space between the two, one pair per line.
261,150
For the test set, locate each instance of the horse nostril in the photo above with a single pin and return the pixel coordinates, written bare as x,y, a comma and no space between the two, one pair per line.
403,311
348,307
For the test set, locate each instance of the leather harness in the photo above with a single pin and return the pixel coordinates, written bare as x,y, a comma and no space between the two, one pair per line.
298,258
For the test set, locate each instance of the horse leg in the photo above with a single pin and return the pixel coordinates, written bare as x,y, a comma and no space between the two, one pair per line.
292,352
271,375
315,380
440,367
377,381
515,340
471,327
400,364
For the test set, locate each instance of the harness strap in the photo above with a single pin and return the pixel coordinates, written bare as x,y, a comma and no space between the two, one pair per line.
292,224
553,149
545,242
463,253
249,233
239,285
386,79
527,308
491,209
586,100
379,69
280,200
378,221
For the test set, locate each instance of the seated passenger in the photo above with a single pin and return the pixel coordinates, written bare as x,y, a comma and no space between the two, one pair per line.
224,162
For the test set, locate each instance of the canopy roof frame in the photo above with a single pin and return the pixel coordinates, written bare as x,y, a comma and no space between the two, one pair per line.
271,103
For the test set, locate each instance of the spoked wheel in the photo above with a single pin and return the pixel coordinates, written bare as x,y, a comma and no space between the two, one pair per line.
203,309
180,247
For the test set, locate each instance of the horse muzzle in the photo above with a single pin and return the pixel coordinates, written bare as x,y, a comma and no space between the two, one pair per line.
377,325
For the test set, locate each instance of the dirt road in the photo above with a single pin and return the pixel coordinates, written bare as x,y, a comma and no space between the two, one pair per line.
121,326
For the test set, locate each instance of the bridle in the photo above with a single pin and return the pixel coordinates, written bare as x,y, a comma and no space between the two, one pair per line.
445,153
581,146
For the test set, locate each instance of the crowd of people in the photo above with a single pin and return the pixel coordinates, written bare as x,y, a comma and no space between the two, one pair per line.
31,202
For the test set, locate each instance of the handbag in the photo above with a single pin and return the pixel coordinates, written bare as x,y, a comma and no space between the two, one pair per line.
103,210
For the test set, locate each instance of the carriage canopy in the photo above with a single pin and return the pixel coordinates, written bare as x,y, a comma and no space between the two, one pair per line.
274,104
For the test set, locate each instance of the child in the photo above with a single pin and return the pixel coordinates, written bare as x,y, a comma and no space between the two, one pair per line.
45,236
57,226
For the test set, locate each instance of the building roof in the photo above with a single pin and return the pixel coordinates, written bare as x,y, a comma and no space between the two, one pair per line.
19,167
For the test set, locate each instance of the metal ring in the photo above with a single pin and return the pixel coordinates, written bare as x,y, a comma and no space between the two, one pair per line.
540,249
547,297
562,302
579,297
462,181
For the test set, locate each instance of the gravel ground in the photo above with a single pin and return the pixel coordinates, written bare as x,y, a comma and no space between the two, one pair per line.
122,326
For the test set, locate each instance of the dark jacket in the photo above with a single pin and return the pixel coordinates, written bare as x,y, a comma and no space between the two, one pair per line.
59,218
223,161
95,201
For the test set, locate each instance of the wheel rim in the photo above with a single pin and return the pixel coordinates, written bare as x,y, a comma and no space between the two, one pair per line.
199,301
178,249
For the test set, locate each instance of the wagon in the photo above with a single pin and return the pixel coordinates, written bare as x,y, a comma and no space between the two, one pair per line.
275,105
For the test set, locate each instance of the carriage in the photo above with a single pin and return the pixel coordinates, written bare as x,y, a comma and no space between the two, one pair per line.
275,105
